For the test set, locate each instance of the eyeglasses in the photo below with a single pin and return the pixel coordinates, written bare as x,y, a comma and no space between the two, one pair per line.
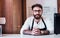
37,10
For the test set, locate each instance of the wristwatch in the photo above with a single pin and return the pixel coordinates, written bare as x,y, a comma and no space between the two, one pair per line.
42,32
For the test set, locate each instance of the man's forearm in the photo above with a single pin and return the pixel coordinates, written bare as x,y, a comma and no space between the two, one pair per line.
45,32
27,32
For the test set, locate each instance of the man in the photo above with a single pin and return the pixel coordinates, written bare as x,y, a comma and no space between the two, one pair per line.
36,24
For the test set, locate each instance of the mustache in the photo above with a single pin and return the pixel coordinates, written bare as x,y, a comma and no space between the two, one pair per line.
38,14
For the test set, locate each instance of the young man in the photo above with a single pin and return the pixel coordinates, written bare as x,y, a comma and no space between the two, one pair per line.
36,24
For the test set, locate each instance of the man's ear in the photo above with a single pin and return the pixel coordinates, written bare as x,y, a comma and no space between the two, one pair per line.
42,10
32,12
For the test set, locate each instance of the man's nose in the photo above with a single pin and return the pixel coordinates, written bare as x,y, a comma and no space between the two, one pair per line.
37,12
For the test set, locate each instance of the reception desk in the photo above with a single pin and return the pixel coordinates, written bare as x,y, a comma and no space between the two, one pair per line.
29,36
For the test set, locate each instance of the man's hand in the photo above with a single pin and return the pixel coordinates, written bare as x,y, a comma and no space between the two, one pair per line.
36,31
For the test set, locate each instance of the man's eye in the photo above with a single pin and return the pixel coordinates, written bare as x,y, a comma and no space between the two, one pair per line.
37,10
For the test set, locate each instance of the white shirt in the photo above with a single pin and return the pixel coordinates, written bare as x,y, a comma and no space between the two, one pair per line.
28,23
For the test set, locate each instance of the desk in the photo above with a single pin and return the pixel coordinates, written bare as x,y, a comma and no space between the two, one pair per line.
29,36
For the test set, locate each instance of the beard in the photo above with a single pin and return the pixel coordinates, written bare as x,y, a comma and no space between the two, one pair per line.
37,16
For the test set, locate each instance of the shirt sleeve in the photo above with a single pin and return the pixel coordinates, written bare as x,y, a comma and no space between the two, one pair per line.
25,26
50,26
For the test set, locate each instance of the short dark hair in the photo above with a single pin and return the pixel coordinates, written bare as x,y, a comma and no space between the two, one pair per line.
36,5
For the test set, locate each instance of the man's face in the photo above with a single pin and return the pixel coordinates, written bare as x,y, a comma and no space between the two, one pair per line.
37,12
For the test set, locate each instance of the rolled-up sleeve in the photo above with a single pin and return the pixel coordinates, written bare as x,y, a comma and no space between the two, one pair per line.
25,26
